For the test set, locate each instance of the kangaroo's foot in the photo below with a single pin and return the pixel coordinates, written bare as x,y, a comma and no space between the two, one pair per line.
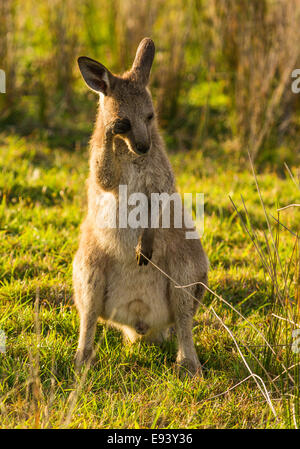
129,336
157,338
187,359
84,357
189,367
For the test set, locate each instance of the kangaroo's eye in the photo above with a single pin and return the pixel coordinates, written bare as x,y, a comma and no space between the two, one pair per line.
150,116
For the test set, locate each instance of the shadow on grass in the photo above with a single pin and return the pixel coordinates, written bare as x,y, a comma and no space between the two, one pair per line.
46,196
247,295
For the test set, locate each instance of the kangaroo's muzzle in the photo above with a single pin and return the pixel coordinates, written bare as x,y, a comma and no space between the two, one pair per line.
140,144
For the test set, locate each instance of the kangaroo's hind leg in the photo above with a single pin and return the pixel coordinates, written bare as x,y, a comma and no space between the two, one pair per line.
186,267
183,309
89,290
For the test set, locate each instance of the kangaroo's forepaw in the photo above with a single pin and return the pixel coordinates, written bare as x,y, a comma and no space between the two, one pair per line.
121,126
189,367
141,260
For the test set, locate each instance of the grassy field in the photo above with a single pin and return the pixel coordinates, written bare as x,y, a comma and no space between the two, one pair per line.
42,201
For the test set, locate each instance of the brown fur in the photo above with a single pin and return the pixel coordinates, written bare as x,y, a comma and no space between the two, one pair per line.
108,281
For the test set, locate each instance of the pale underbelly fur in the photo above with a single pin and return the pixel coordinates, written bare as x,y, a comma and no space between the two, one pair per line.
137,299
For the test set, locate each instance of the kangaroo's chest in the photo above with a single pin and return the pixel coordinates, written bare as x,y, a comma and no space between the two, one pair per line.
135,177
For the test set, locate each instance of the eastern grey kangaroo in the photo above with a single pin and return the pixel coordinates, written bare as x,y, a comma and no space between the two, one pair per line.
112,280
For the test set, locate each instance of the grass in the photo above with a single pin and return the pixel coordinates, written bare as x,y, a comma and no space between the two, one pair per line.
42,201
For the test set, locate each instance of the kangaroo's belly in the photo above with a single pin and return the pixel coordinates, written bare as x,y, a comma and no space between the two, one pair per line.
137,298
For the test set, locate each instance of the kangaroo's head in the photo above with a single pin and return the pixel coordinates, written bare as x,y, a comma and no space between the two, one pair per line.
125,97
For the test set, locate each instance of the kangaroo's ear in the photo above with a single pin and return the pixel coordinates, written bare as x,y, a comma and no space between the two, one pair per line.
143,60
96,76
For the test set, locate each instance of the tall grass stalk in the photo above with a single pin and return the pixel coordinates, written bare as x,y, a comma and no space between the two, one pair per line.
284,311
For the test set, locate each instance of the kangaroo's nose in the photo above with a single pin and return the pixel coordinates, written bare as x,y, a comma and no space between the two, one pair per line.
142,148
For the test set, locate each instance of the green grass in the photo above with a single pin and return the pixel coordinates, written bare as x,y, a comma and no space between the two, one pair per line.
42,201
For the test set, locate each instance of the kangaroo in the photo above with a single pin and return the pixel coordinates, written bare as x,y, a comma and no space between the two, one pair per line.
112,278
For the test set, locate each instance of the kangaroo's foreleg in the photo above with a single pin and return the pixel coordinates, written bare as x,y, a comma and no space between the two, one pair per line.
145,242
145,246
104,164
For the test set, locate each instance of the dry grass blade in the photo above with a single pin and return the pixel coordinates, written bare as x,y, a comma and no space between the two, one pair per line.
281,224
242,316
265,212
51,398
292,176
73,397
253,238
294,416
268,269
228,390
287,369
262,386
81,377
288,206
285,319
